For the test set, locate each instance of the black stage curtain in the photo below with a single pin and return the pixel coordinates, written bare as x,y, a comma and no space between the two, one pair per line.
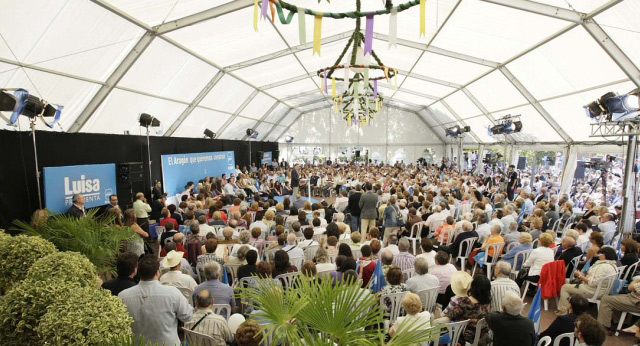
18,189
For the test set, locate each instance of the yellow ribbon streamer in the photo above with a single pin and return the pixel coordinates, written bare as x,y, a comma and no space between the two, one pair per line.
317,33
334,92
256,11
395,80
321,85
423,11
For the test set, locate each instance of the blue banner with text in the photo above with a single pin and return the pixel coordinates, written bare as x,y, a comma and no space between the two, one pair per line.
95,182
178,169
266,158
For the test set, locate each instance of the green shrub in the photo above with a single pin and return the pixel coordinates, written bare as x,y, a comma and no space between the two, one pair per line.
17,255
96,318
22,308
67,266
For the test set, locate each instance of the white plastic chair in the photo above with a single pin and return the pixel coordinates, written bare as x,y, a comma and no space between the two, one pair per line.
476,339
573,264
623,316
223,310
456,329
520,257
287,279
558,339
356,253
414,236
428,297
233,270
535,243
435,225
333,257
604,285
546,341
510,246
395,309
467,245
310,252
497,250
195,338
408,274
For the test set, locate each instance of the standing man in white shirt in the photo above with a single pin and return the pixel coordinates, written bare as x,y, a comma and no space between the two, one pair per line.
155,308
142,210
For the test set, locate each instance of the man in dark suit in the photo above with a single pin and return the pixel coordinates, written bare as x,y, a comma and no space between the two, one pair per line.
354,208
369,211
157,190
541,196
512,177
295,181
77,209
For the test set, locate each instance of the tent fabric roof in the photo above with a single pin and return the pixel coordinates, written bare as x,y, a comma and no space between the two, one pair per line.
195,63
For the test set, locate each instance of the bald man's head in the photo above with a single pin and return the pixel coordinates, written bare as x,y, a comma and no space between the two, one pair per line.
204,299
291,239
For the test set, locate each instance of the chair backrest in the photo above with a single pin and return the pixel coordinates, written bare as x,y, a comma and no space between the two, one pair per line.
481,324
356,253
510,246
310,252
223,310
573,265
631,269
604,286
287,279
416,229
297,261
198,339
435,225
456,329
535,243
621,271
546,341
449,235
428,297
466,246
497,250
408,274
558,339
318,237
556,225
325,274
332,257
519,259
232,269
395,308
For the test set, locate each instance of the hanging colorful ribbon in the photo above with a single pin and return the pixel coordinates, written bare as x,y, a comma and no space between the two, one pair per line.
422,17
366,78
302,27
368,35
256,14
264,6
395,80
345,81
375,89
334,92
273,12
393,27
386,73
317,34
326,86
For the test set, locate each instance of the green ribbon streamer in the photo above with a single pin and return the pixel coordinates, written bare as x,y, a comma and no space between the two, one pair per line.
302,27
354,14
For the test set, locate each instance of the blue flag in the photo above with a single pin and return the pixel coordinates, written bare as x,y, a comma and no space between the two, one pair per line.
534,311
225,279
377,279
21,96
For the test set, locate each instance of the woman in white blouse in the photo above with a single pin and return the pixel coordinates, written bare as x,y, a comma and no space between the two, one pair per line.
416,319
537,258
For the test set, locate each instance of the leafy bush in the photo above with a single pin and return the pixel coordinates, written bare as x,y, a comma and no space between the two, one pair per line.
91,236
18,254
23,306
67,266
97,318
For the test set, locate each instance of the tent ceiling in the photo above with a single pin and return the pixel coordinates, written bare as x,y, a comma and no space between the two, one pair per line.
204,64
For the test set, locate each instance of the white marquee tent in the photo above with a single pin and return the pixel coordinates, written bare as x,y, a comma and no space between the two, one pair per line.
198,64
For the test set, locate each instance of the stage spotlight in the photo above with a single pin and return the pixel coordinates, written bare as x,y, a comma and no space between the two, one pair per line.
453,131
288,138
147,120
496,130
512,127
251,133
7,102
615,107
209,134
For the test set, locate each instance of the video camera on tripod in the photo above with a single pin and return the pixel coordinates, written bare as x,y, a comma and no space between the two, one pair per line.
599,164
492,158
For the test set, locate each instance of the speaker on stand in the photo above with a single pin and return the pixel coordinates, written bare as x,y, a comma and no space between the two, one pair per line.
130,181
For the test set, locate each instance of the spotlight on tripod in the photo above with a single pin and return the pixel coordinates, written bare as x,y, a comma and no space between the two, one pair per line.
251,133
457,131
288,138
209,134
614,107
146,121
21,103
506,125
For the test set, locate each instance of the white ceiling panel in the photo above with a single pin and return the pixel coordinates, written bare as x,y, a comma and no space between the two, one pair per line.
271,71
448,69
258,106
193,126
154,12
227,95
238,127
462,105
494,92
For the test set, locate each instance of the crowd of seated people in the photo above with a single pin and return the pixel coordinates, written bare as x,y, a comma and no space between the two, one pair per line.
236,229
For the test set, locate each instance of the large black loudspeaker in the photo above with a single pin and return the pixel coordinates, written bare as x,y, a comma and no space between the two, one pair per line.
357,153
130,181
276,155
129,172
579,174
522,163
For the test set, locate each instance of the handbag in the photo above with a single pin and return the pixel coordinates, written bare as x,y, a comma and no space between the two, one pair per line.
522,274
